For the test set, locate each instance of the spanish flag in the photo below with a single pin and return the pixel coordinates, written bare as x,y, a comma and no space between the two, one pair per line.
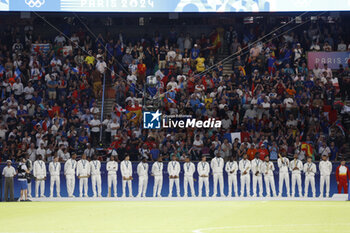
307,148
216,40
241,68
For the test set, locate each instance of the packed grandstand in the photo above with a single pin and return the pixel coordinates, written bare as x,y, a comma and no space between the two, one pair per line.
52,85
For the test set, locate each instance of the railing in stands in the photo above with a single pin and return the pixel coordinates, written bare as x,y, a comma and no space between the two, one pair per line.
102,103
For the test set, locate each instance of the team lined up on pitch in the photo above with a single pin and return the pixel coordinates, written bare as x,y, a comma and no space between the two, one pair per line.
256,168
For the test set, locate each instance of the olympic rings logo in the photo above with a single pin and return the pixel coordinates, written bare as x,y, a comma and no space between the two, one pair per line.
35,3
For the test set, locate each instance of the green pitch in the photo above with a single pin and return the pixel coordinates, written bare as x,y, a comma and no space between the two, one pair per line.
175,216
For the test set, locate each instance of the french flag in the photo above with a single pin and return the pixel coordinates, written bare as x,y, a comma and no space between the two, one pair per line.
170,100
341,127
17,73
119,110
133,116
113,73
75,70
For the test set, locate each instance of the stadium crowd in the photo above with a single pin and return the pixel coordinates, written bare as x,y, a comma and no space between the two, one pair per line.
49,94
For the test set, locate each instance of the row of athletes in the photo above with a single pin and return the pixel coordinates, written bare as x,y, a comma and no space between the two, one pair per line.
259,169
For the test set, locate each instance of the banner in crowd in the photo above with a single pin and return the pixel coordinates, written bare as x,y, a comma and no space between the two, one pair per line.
66,50
332,59
40,48
173,5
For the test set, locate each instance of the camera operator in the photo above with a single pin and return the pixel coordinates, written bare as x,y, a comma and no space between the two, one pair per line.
23,173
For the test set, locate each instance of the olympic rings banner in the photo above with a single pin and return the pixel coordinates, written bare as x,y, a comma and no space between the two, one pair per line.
332,59
173,5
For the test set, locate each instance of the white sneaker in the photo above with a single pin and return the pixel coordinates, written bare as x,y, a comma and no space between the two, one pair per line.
279,195
236,194
86,195
185,195
42,196
327,196
254,195
170,195
100,195
94,195
123,196
51,196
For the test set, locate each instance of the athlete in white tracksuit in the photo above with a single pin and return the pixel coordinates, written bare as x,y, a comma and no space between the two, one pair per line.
325,167
296,166
257,175
126,170
157,172
69,171
310,171
39,172
95,170
267,169
283,165
83,173
142,171
189,169
203,170
231,168
244,167
112,168
55,169
174,171
217,165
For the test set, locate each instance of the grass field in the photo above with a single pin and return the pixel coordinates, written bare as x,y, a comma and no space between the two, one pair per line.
175,216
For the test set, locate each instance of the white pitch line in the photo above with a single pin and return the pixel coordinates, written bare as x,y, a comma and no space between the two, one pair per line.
240,227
